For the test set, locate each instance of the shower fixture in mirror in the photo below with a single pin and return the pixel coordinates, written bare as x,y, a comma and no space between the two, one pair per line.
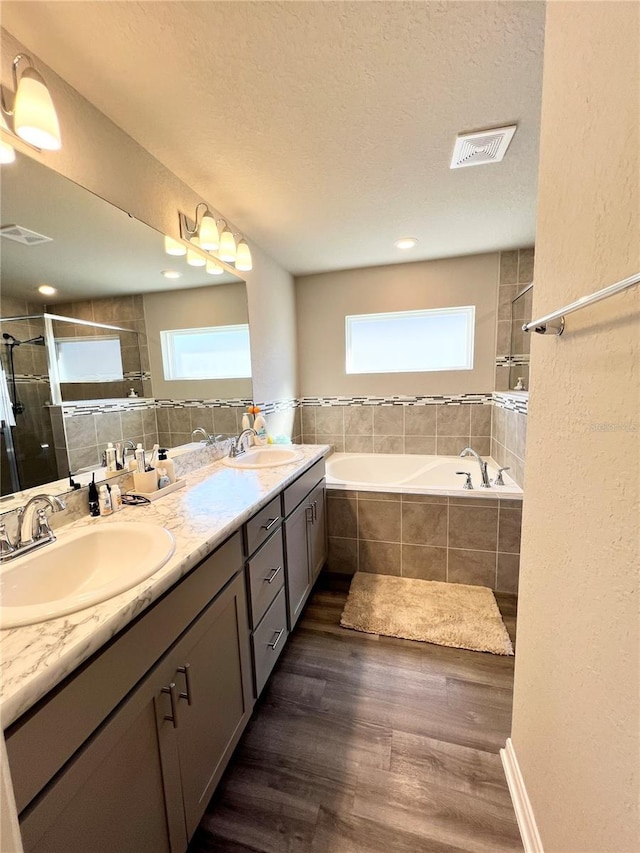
521,313
86,293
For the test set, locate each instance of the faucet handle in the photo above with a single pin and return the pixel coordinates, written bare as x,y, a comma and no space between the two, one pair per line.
6,545
498,480
43,528
468,484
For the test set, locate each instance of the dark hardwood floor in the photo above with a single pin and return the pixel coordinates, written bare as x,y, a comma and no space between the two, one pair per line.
369,744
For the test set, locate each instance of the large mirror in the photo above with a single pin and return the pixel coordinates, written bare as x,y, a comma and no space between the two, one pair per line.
120,351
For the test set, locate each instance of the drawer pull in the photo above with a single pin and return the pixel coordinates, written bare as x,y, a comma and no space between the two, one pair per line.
270,523
186,670
274,574
173,716
276,640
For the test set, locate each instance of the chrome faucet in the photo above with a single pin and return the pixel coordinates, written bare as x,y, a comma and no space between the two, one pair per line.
200,430
469,451
237,444
34,530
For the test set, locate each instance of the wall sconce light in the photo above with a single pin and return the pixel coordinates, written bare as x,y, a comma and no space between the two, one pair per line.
244,262
34,116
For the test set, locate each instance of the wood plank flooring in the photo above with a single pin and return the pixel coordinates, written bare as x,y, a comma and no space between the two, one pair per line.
370,744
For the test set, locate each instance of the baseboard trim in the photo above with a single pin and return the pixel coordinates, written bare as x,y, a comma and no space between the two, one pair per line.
521,803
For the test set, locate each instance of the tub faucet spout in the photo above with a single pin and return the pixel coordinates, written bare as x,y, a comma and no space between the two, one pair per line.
469,451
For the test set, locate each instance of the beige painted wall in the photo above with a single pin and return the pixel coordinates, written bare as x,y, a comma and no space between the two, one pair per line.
575,721
101,157
323,300
198,307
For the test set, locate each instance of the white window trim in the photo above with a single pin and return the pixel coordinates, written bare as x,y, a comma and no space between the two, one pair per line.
470,310
168,360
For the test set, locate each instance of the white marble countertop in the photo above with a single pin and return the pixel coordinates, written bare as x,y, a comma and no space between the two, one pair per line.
216,501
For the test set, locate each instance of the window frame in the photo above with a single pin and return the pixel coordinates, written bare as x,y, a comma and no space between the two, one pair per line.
167,337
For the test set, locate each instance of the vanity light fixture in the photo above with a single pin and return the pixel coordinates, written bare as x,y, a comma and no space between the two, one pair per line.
47,290
213,268
34,116
7,152
405,243
244,262
173,247
227,251
171,273
204,228
195,259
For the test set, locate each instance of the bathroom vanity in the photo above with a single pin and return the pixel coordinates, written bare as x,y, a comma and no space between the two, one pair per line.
137,704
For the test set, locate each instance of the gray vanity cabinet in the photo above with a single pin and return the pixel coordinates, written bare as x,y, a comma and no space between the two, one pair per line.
142,779
305,542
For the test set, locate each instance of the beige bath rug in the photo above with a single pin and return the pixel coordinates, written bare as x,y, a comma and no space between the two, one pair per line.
448,614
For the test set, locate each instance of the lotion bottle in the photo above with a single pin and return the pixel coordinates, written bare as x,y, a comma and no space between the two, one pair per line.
260,426
167,464
104,501
111,457
116,498
139,456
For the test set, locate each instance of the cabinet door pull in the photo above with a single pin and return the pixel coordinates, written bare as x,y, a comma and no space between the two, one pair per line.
271,522
275,642
274,574
309,514
173,716
315,510
186,671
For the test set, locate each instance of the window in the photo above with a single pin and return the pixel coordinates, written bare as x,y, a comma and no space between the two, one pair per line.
219,352
91,359
411,341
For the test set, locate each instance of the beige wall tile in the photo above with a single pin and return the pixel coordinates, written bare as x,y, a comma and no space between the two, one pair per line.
336,441
379,520
454,420
342,517
424,524
388,420
451,445
481,444
388,444
379,557
509,526
329,420
108,427
481,420
424,499
472,567
509,267
379,496
358,443
508,573
503,338
358,420
420,444
80,431
473,527
420,420
525,266
424,562
343,556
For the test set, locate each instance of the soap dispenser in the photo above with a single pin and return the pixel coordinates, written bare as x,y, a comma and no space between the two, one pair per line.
167,463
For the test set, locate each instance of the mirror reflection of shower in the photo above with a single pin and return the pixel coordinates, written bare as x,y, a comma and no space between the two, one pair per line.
28,455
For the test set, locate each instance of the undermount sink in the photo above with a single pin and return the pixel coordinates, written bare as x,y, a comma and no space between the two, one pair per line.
81,568
264,457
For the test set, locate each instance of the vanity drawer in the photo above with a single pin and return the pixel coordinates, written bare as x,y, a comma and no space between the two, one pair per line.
266,576
300,488
262,525
269,640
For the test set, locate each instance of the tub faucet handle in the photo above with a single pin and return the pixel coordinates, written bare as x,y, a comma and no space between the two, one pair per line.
468,484
498,480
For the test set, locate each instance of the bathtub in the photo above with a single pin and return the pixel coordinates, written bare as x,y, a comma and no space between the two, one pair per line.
414,474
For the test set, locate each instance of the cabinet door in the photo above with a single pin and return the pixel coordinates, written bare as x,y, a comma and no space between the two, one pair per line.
317,531
111,795
213,679
297,551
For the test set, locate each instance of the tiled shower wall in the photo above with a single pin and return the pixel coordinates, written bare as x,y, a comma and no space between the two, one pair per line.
509,435
516,270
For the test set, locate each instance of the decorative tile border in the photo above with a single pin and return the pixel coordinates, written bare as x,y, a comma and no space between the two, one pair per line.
70,410
31,377
401,400
509,360
235,402
511,402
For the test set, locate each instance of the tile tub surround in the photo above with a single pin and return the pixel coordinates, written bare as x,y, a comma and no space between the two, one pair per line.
516,270
423,425
431,537
215,503
509,440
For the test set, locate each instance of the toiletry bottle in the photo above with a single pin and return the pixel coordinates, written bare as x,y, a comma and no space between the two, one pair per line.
116,498
163,478
167,464
94,505
260,426
104,501
140,463
119,456
246,421
111,457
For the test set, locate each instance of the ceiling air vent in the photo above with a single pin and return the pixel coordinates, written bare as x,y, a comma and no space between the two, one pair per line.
23,235
484,146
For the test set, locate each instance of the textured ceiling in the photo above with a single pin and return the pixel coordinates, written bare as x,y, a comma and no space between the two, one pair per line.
323,130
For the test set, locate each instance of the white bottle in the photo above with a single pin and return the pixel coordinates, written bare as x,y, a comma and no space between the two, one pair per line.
260,426
246,421
163,478
116,498
110,457
104,501
139,454
167,464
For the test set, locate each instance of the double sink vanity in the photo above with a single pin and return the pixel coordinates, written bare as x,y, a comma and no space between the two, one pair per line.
120,717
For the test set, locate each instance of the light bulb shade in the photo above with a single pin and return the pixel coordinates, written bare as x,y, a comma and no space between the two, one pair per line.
7,153
35,118
214,269
227,250
244,262
208,233
195,259
172,247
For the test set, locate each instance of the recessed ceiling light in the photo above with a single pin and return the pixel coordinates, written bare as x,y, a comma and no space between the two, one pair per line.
171,273
405,243
47,290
